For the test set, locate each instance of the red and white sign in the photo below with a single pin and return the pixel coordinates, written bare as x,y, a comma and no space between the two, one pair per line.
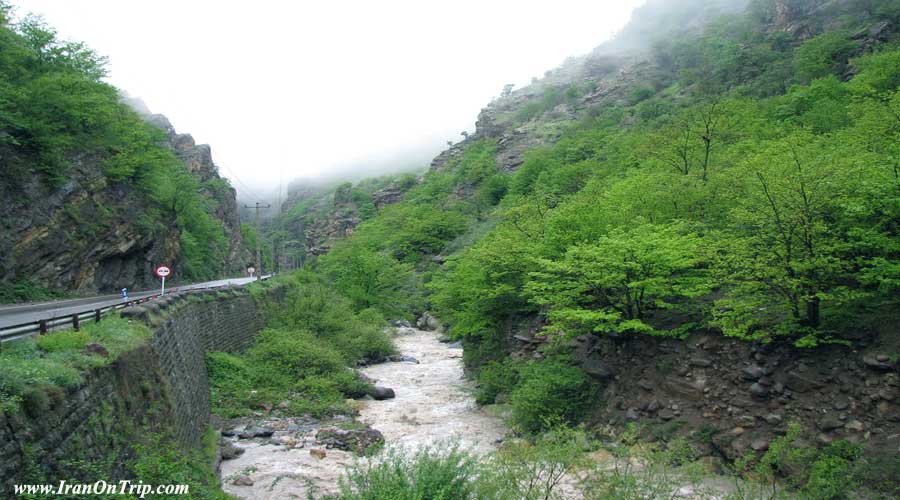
163,271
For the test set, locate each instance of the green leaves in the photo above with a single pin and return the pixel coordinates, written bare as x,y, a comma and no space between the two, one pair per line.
612,285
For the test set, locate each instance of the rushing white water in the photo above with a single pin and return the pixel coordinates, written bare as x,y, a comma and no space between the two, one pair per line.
433,404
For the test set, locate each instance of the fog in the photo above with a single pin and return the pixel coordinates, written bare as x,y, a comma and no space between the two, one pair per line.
282,90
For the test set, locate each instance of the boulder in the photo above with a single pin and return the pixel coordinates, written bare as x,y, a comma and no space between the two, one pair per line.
256,432
759,391
397,358
800,383
229,451
381,393
700,362
95,349
752,372
879,362
830,423
597,369
429,322
356,440
760,444
242,480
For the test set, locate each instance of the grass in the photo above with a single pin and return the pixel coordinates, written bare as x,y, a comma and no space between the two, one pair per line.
37,369
25,290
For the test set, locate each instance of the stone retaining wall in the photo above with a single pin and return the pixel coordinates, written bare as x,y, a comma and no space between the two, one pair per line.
157,387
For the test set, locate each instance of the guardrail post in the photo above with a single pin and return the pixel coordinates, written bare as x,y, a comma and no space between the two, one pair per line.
96,315
42,326
75,322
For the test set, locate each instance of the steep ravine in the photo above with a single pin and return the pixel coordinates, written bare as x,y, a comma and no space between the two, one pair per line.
433,404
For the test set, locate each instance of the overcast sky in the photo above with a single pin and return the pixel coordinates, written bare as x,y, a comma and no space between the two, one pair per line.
286,89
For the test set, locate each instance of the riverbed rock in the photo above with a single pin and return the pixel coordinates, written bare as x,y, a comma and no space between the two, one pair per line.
356,440
256,432
398,358
242,480
380,393
429,322
229,451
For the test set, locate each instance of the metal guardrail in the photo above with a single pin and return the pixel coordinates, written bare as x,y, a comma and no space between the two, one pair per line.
74,320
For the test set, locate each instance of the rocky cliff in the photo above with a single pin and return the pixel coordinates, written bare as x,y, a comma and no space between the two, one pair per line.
315,217
198,160
89,234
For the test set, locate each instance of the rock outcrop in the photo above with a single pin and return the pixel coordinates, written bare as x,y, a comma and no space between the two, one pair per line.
742,395
91,235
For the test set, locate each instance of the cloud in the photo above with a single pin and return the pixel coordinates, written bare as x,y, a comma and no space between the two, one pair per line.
290,89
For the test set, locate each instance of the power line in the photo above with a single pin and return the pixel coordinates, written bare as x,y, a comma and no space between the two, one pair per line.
239,181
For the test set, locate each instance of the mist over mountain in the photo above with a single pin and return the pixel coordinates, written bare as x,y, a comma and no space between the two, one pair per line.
666,267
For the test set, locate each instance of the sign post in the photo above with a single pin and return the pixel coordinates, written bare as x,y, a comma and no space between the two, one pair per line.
251,270
162,272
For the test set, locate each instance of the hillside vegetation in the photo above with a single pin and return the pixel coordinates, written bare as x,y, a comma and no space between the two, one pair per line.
88,184
741,178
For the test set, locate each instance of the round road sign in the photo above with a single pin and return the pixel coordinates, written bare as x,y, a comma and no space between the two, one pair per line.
163,271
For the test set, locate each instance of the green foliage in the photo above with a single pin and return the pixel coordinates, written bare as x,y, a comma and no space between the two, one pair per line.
496,378
158,460
477,162
523,470
652,471
38,366
443,472
289,363
549,393
290,366
611,285
879,72
823,55
371,278
55,110
25,290
815,474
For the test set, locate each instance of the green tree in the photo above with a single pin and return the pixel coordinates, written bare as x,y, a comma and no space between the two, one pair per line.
782,255
611,285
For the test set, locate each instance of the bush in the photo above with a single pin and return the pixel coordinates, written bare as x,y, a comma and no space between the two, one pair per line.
438,473
294,354
495,378
549,393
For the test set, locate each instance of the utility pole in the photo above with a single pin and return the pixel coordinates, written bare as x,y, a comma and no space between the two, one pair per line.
259,264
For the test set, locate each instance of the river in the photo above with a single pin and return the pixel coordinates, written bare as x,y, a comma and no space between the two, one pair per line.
433,404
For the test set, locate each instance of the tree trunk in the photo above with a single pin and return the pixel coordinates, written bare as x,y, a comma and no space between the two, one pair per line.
812,312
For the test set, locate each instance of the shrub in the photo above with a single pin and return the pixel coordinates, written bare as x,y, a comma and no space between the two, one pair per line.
495,378
440,473
294,354
549,392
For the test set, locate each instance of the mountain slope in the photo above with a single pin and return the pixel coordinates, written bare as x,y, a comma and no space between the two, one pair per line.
93,196
700,234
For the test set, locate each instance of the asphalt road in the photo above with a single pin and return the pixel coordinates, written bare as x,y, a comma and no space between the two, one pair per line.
12,315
